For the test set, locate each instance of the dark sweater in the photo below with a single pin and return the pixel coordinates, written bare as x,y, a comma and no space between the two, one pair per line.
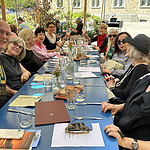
13,72
134,119
31,62
124,89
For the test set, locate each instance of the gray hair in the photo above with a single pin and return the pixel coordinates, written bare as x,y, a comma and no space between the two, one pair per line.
78,19
138,55
18,40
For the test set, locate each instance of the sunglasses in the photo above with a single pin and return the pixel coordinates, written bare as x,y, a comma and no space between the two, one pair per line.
20,47
2,32
51,26
114,35
119,42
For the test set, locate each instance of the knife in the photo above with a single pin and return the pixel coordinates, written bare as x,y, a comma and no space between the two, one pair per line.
88,103
23,112
36,84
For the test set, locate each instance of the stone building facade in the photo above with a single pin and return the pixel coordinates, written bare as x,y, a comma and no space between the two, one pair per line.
124,10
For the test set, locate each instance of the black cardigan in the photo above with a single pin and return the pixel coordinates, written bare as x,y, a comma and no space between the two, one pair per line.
124,89
134,119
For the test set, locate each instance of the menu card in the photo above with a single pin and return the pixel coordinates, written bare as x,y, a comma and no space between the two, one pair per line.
51,112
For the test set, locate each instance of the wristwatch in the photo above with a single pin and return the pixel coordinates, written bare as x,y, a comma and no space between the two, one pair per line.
112,88
135,145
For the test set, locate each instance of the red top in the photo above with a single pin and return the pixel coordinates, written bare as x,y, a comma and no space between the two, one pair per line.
100,40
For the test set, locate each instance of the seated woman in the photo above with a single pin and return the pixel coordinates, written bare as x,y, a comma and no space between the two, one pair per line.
133,117
16,74
31,62
140,61
39,49
101,39
111,43
50,40
119,55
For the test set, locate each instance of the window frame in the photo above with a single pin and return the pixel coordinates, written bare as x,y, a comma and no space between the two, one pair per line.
95,7
77,7
118,4
62,4
144,6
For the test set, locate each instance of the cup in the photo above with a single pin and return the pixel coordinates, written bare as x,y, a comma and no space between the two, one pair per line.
71,97
25,120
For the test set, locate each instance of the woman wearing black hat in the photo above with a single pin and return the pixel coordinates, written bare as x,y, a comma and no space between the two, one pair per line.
133,117
138,52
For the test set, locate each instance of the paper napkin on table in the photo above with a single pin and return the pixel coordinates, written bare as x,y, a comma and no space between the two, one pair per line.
91,69
25,101
41,77
84,75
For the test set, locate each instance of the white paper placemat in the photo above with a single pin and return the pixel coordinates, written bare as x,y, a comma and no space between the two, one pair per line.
62,139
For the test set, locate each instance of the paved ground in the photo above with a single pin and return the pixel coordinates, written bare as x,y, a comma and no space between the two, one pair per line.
135,28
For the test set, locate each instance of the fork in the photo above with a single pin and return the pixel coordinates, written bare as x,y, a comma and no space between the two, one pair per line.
80,118
87,84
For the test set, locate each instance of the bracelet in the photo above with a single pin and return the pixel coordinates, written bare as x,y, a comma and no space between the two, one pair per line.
121,134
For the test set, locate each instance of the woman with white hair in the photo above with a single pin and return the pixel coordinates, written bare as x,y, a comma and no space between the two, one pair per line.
16,74
111,43
140,62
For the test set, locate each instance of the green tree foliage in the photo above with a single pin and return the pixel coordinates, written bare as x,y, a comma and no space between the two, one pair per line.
10,4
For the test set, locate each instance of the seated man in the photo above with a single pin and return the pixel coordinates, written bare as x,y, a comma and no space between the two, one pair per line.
78,30
5,35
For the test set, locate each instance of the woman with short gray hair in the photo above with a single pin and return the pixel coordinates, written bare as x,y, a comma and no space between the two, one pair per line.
16,74
138,52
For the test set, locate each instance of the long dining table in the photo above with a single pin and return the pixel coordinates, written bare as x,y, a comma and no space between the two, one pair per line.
94,94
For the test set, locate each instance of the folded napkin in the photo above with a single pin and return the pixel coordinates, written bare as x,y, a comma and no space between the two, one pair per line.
41,77
25,101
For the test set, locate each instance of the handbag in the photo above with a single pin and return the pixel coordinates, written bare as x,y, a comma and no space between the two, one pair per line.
111,64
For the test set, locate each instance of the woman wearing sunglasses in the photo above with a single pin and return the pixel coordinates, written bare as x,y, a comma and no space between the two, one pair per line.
16,74
119,55
140,62
111,44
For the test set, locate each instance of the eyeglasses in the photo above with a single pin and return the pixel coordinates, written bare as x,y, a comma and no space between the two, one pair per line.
2,32
114,35
20,47
51,26
119,42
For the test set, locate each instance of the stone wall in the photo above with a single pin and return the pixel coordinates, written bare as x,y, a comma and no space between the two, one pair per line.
130,12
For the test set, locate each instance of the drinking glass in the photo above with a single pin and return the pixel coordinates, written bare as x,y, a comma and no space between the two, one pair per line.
71,97
25,120
80,97
47,81
76,79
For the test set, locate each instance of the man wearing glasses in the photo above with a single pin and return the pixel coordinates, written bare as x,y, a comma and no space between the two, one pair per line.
5,32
